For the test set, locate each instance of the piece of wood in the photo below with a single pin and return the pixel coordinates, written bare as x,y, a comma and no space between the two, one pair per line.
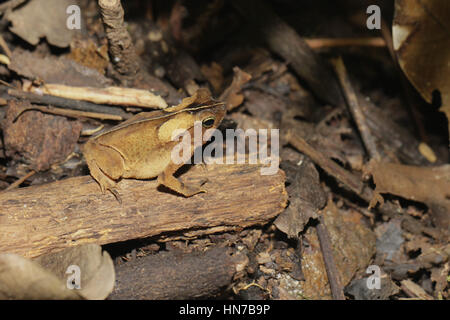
72,113
415,291
111,95
334,278
19,181
121,48
347,178
66,103
177,275
41,219
320,43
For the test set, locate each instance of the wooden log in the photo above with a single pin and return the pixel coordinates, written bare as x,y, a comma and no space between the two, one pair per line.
41,219
178,275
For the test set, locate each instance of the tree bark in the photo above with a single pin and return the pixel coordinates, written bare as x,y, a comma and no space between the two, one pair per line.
41,219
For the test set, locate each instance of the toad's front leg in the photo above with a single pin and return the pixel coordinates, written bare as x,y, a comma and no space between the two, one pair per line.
167,179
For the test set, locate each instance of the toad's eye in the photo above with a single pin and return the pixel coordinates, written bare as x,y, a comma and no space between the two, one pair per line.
208,122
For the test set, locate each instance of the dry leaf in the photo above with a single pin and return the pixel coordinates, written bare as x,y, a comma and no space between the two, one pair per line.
21,278
43,18
430,185
97,269
421,36
232,95
45,277
306,197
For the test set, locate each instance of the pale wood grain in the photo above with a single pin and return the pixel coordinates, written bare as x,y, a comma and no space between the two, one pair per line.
41,219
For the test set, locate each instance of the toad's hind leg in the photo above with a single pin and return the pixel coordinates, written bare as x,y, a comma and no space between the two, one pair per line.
166,178
105,165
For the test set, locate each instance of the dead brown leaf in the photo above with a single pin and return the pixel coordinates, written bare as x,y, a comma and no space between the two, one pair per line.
23,279
232,95
43,18
421,36
97,269
306,197
46,278
430,185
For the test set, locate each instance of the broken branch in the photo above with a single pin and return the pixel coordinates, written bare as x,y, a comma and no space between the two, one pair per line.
355,110
68,103
327,253
331,167
110,95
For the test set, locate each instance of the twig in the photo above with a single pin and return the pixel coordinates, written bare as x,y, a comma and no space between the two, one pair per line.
356,207
110,95
415,291
121,46
337,291
72,113
355,109
68,103
348,179
4,59
19,181
319,43
4,46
